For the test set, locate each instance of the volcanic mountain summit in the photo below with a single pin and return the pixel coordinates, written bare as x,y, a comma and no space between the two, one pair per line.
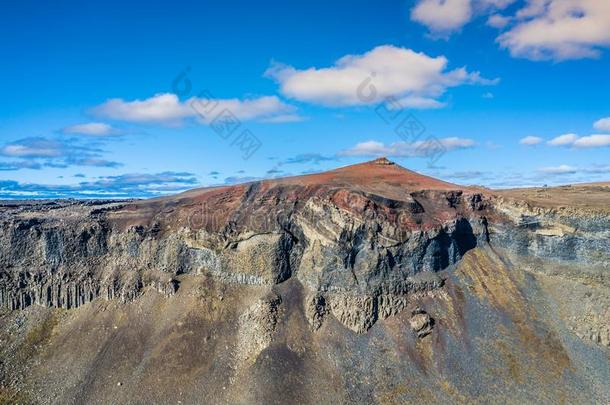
369,284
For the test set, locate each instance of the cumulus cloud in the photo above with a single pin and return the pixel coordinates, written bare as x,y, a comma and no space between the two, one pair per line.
530,140
563,140
267,109
159,108
414,78
442,17
131,185
39,152
559,30
602,124
168,109
407,149
537,30
92,129
590,141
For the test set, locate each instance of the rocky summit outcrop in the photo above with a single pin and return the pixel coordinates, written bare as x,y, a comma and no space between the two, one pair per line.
237,283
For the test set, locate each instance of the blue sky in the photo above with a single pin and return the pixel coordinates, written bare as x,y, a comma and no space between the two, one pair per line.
121,100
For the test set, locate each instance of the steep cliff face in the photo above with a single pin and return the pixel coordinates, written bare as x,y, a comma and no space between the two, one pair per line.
349,246
570,249
561,234
66,256
277,266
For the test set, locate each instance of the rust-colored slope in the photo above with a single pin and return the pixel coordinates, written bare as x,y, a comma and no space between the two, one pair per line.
379,176
379,183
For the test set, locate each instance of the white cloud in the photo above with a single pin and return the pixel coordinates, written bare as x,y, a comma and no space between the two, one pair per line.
530,140
559,30
538,30
262,108
54,153
91,128
590,141
165,108
168,109
407,149
412,77
602,125
442,15
368,148
488,95
32,148
563,140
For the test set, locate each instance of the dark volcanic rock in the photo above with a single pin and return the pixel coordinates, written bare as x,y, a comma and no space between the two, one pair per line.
313,281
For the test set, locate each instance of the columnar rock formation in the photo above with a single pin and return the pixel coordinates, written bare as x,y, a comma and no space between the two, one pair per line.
363,243
360,239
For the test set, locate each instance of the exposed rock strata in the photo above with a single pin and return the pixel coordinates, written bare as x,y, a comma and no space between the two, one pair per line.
564,234
360,253
364,285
